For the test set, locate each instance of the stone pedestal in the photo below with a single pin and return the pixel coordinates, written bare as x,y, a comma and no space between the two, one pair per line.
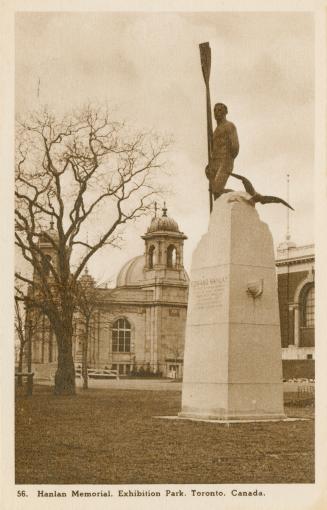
232,360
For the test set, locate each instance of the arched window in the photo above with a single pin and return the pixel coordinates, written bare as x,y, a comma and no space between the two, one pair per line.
308,306
171,256
151,256
121,336
46,263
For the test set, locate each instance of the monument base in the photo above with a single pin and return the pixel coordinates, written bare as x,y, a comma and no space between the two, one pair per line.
231,417
232,360
283,418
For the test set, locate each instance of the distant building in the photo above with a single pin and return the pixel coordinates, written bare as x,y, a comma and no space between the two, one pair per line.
296,293
140,324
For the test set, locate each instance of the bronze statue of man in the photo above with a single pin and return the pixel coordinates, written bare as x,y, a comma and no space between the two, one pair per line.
225,148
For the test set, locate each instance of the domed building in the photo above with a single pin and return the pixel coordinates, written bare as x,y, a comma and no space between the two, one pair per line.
139,326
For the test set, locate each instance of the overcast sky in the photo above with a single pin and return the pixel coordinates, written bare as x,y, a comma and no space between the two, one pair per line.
148,67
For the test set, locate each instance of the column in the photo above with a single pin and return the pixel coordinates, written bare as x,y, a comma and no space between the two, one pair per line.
296,325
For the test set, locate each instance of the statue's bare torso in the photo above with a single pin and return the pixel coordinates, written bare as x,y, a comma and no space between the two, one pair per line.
225,148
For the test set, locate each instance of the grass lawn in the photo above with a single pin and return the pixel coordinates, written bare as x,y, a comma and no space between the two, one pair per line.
107,436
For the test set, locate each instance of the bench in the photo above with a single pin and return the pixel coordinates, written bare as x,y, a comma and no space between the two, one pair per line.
29,378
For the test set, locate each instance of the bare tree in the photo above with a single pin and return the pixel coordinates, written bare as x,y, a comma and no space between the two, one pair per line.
21,336
175,353
86,305
26,325
70,171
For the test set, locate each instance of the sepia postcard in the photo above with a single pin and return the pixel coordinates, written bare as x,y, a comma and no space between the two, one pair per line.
163,220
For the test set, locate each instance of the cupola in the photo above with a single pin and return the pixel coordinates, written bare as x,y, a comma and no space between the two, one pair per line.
163,243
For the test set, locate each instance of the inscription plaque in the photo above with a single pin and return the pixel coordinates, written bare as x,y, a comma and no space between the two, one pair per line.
209,292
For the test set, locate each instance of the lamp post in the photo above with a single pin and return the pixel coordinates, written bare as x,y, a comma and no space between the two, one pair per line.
29,355
133,357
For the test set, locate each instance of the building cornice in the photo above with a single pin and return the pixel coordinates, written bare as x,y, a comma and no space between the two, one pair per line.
164,233
298,260
145,304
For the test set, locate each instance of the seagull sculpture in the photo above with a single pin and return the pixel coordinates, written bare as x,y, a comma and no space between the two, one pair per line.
256,197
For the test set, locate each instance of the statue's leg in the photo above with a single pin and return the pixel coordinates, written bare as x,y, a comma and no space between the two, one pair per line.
220,182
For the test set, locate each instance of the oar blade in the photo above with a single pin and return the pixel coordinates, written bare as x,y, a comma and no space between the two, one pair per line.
205,56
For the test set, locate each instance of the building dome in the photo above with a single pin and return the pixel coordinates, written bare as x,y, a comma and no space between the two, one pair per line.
163,255
132,272
51,232
163,223
86,279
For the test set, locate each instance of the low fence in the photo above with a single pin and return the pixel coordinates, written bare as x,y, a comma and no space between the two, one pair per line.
303,397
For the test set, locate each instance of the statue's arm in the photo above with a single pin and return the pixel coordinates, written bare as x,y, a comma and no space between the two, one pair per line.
233,141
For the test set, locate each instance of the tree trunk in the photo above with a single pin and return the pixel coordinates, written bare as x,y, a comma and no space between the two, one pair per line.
20,364
84,358
65,374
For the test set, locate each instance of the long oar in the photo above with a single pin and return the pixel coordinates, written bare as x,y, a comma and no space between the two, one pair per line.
205,55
